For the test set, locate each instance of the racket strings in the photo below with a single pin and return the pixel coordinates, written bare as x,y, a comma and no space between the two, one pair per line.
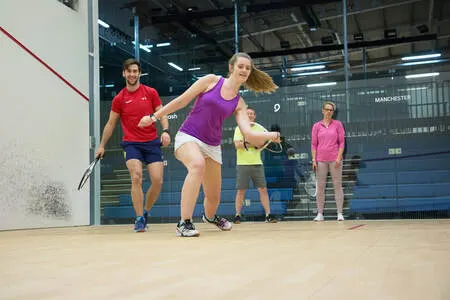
268,145
311,184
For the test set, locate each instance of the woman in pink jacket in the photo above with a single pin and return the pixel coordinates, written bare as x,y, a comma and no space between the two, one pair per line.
327,147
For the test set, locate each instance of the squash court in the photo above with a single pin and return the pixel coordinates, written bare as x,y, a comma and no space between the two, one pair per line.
401,259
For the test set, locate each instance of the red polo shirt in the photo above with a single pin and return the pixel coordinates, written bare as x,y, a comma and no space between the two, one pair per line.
132,106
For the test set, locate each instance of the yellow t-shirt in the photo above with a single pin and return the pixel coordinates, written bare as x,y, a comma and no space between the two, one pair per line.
244,157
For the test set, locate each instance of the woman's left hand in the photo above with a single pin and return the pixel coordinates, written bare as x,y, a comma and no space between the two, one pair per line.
338,163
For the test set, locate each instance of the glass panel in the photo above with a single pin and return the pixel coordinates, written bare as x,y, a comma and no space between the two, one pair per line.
396,158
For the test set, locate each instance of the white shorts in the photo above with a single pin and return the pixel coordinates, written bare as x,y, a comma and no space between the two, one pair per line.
213,152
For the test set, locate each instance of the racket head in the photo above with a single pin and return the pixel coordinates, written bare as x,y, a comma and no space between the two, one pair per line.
311,184
268,145
84,179
87,173
273,147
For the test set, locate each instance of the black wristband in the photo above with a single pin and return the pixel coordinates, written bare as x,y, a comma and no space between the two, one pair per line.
154,118
166,131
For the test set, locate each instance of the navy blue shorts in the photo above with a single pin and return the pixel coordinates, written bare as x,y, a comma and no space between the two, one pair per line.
147,152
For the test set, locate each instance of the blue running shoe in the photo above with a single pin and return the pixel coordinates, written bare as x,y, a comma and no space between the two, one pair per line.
139,224
146,219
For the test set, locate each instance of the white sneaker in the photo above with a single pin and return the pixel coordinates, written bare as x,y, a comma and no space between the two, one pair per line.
319,217
221,223
186,229
340,217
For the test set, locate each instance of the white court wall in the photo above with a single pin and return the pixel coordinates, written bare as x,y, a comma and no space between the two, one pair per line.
44,128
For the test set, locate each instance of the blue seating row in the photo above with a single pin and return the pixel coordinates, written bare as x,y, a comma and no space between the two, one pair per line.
403,177
440,162
227,196
176,185
388,205
166,211
402,190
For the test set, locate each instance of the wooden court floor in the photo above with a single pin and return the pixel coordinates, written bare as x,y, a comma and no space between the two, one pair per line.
399,259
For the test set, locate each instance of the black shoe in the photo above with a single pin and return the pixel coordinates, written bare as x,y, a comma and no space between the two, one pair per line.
270,219
237,219
145,218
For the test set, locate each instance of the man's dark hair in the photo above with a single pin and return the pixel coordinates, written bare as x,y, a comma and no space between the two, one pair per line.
275,127
129,62
290,151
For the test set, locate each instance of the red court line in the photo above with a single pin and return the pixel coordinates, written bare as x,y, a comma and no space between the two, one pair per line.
43,63
356,226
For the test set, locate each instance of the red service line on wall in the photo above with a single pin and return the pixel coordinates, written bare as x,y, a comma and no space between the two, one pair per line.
43,63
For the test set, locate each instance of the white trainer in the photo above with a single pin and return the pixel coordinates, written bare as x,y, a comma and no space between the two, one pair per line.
186,229
340,217
221,223
319,217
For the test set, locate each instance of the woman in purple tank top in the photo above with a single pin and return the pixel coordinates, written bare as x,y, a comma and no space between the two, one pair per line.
197,143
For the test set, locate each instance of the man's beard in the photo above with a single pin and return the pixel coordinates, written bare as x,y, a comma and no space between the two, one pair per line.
132,84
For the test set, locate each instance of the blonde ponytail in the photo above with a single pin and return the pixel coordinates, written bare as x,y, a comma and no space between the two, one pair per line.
258,81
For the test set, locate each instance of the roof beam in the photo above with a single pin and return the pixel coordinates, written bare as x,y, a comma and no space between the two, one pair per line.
367,44
255,8
122,41
354,45
356,12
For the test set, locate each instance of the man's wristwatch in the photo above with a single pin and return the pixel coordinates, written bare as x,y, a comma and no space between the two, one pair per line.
166,131
154,118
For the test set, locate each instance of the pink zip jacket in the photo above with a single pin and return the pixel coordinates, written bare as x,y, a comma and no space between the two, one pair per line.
327,140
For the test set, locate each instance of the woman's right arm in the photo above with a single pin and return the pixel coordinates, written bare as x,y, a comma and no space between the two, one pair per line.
191,93
252,136
181,101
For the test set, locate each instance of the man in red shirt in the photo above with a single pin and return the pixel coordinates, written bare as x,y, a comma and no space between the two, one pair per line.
141,145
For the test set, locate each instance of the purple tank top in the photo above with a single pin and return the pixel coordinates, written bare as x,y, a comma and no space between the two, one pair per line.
206,118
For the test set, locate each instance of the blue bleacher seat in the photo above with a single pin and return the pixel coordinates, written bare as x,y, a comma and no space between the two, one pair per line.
376,178
164,211
400,205
364,205
412,199
226,196
418,177
419,183
374,191
423,190
168,205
